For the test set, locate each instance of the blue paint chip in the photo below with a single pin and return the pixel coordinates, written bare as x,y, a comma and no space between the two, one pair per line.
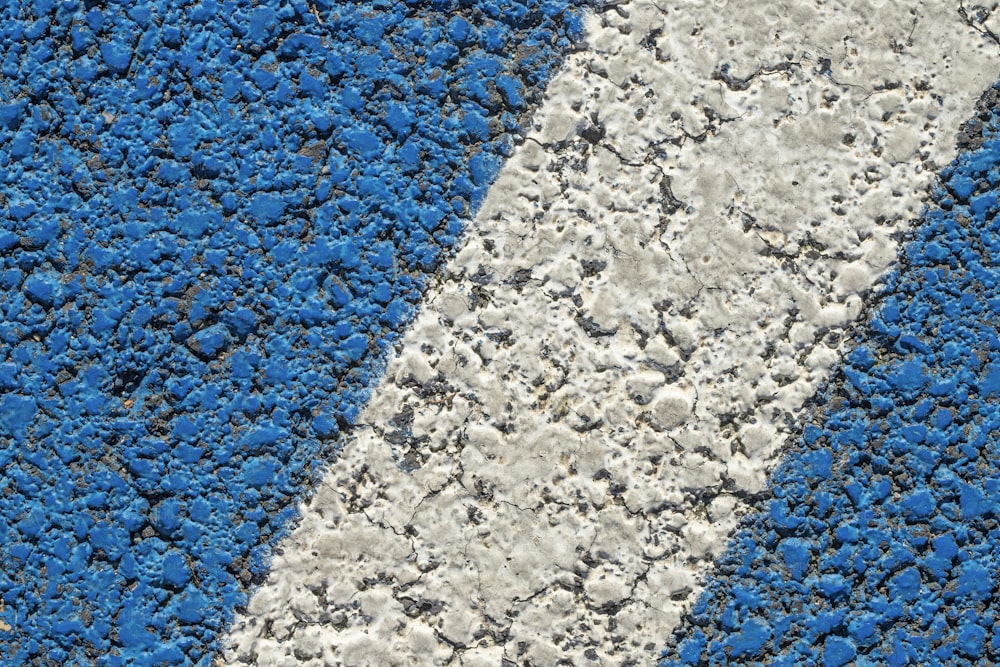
263,437
975,582
191,606
838,651
910,376
267,208
511,91
132,632
207,343
483,169
962,186
175,570
983,203
918,505
818,464
990,384
116,56
11,114
905,585
972,641
17,413
750,639
796,555
833,586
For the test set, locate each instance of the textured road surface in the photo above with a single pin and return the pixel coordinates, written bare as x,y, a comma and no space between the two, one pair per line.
217,218
222,220
595,390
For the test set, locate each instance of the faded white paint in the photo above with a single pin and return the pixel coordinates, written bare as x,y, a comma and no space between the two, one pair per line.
602,374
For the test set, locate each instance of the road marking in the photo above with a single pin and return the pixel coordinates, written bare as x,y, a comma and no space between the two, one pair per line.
660,278
878,545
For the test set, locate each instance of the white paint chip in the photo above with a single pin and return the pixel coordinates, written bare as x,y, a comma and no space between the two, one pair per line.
563,446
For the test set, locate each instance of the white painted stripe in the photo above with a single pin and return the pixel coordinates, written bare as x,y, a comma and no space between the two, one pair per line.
565,439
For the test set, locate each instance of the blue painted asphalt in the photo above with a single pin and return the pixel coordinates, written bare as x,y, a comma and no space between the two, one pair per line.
879,545
217,217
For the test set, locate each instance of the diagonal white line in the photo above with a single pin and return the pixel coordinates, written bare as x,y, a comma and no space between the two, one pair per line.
660,278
